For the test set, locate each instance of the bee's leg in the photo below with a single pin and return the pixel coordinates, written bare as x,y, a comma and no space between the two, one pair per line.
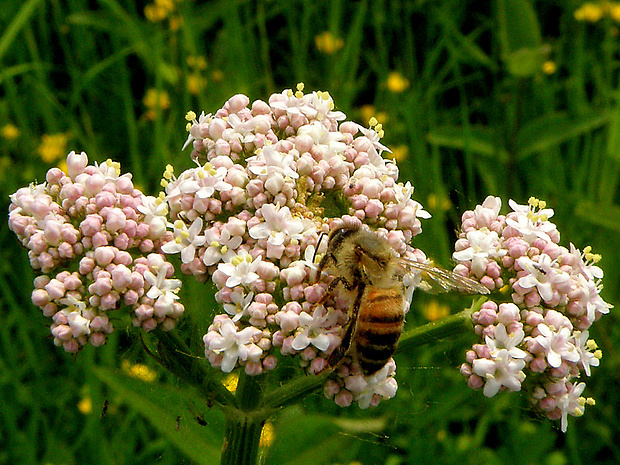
341,351
332,287
323,263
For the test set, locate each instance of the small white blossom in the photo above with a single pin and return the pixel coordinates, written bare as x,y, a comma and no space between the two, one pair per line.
484,245
543,275
233,344
241,269
557,344
312,330
279,226
240,305
185,240
502,370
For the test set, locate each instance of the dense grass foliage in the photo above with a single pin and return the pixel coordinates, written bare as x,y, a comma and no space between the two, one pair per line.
512,98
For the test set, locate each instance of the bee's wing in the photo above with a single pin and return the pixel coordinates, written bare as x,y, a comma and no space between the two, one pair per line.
436,279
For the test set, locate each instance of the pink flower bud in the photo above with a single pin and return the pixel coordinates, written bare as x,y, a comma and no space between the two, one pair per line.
101,286
55,289
91,225
40,297
94,184
344,398
104,255
76,163
237,103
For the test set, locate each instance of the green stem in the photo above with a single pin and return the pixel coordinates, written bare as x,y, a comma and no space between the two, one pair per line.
244,425
435,330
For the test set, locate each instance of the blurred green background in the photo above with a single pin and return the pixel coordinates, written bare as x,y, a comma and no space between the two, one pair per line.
513,98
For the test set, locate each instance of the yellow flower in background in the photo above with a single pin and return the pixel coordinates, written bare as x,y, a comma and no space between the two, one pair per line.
434,311
85,405
139,371
435,202
197,62
368,111
590,12
217,75
396,82
10,131
614,11
155,100
53,147
195,82
159,10
328,43
549,67
400,152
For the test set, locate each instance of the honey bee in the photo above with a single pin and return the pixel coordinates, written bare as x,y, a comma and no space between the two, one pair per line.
364,262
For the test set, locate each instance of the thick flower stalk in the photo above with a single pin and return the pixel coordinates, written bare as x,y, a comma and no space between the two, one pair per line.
271,178
96,243
537,337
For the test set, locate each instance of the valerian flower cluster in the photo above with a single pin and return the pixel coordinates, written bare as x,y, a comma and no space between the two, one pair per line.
96,242
538,338
271,177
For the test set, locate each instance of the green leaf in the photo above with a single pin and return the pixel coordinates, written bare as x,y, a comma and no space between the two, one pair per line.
19,21
302,437
607,216
520,38
550,130
478,139
167,408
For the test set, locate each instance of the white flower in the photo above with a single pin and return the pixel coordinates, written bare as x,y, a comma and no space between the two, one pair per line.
584,266
204,181
240,305
557,344
530,223
571,403
312,329
287,101
483,245
185,240
377,147
270,161
488,211
505,341
379,383
221,247
591,299
233,344
327,141
79,325
502,370
543,274
587,358
162,289
154,210
241,269
196,127
324,105
279,226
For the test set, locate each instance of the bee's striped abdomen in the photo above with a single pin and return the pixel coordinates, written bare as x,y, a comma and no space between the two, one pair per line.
379,325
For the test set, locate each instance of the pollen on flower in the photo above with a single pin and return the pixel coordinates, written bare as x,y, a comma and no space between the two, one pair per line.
190,115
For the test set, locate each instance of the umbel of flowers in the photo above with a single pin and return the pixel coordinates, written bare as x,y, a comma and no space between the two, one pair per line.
537,337
271,177
95,242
